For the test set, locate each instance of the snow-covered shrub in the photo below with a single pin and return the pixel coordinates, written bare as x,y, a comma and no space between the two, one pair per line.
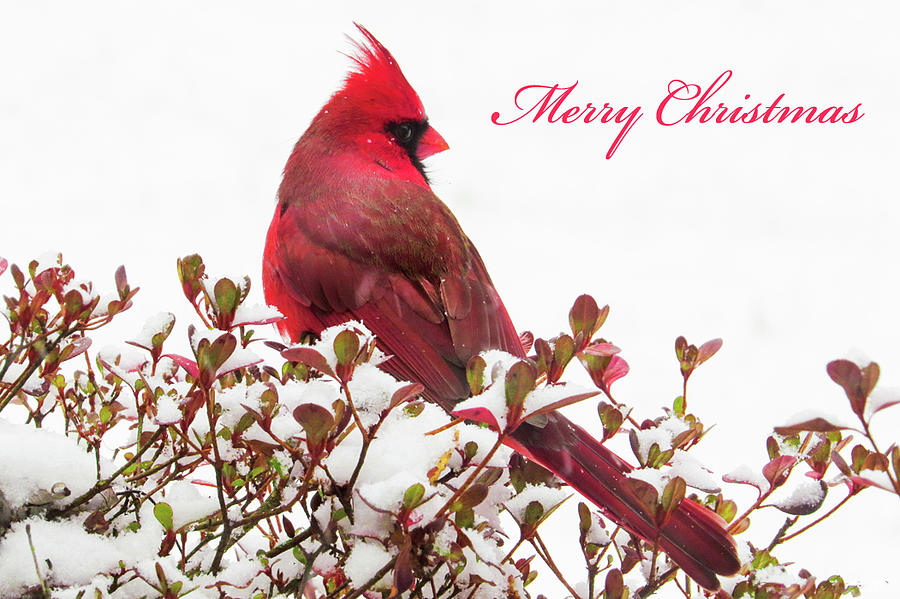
141,473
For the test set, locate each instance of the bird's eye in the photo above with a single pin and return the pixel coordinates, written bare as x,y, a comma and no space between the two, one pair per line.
403,132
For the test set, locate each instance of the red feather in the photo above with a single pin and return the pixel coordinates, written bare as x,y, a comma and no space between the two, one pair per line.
358,234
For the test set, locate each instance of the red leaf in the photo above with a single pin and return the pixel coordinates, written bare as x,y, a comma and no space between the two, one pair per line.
79,345
602,349
849,376
556,405
617,368
886,404
614,586
583,316
309,357
478,414
122,282
520,381
317,422
708,350
406,393
3,265
189,365
819,425
777,471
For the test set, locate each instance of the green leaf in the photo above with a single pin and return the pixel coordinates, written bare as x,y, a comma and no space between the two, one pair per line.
727,509
563,352
471,448
611,418
583,316
584,518
533,513
520,381
645,493
673,495
226,294
414,409
543,356
475,374
413,496
346,347
316,421
163,513
465,518
763,559
191,272
614,588
472,496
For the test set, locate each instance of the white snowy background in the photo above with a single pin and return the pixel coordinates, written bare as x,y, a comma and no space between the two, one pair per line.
133,133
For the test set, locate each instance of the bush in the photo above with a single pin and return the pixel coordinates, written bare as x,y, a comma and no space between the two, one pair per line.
140,473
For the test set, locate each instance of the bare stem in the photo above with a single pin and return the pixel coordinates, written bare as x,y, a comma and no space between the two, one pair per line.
544,554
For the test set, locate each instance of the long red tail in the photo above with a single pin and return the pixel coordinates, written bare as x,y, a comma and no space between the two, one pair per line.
694,537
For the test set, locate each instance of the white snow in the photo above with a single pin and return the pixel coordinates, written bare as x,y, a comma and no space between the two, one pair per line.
325,344
662,434
654,477
366,559
34,461
548,497
693,472
255,314
154,325
746,474
66,553
597,534
83,288
881,397
682,464
167,411
187,503
807,493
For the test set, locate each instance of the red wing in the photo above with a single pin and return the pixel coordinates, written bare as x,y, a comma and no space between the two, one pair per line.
431,332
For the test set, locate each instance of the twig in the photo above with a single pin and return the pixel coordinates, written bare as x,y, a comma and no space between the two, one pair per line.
544,554
788,522
45,592
290,544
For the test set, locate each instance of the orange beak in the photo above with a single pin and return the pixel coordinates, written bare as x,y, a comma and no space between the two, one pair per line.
430,143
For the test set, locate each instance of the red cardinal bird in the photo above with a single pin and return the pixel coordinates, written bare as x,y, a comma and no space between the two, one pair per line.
358,234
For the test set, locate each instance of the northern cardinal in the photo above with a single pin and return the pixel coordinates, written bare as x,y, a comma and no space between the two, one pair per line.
358,234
